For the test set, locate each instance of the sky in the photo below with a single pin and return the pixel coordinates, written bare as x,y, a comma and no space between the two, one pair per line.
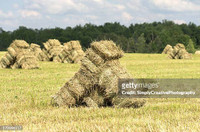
64,13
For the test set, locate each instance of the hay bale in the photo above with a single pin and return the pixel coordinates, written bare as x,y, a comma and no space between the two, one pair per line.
168,49
12,52
52,48
90,102
96,82
21,44
107,50
19,55
40,55
197,52
71,53
179,52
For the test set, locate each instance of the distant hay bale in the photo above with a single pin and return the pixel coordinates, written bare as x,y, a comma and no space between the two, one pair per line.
19,55
168,49
96,82
197,52
177,52
52,48
71,53
40,55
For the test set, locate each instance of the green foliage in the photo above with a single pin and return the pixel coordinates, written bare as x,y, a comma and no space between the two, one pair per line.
138,38
190,47
141,44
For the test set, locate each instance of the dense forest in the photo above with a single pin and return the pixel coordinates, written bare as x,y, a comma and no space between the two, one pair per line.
138,38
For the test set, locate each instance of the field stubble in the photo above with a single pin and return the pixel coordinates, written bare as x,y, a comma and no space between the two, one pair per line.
25,99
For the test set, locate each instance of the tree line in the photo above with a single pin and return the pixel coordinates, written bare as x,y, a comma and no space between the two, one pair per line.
137,38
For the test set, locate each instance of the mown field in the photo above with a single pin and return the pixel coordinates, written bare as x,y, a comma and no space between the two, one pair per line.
25,99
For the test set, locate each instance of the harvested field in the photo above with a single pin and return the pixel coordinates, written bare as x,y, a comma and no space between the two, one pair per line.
25,100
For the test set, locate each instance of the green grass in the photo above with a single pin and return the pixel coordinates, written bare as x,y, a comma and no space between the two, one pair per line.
25,99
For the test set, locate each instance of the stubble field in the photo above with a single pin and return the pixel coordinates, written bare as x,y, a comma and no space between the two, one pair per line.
25,99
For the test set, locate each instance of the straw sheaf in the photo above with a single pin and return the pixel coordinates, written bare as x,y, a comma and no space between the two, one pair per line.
38,52
26,60
75,88
168,49
179,52
94,57
52,49
95,84
71,53
107,50
33,46
90,102
20,44
108,80
19,55
63,98
73,45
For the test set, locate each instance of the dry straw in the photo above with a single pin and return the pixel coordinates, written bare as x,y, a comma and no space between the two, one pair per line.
168,49
41,56
19,55
71,53
177,52
52,48
96,82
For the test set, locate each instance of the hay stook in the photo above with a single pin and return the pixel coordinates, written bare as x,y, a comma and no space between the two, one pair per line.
40,55
96,82
71,53
177,52
19,55
52,48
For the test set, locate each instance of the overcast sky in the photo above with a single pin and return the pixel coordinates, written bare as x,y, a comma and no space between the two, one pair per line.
63,13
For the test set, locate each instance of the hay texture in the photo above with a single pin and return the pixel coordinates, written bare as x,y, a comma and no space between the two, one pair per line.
177,52
168,49
19,55
96,82
197,52
35,48
71,53
52,48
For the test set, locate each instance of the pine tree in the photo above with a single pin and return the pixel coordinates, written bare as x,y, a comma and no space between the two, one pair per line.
190,47
141,44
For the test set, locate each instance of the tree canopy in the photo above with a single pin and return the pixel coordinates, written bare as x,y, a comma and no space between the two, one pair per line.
138,38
